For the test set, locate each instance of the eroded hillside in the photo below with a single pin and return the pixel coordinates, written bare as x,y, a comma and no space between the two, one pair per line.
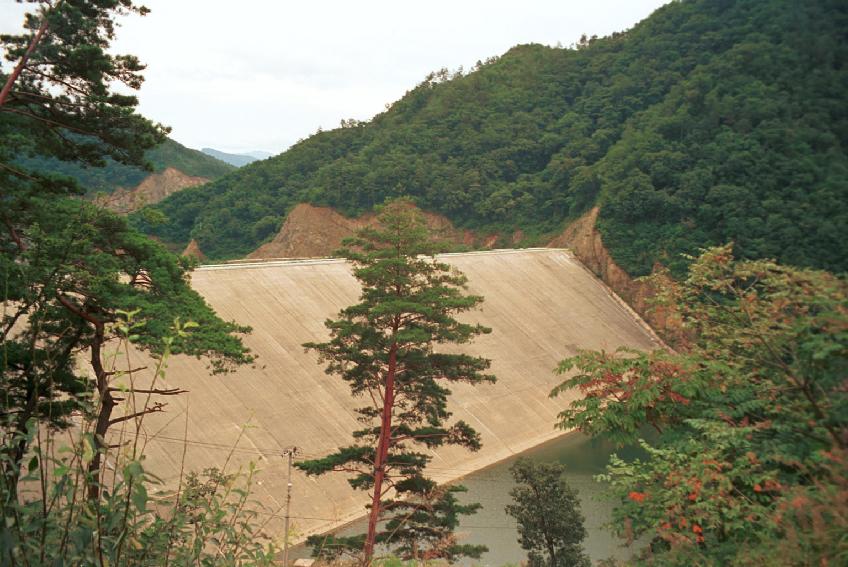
152,189
125,189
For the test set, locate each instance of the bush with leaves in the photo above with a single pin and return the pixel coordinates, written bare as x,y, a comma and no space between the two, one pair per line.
209,519
752,414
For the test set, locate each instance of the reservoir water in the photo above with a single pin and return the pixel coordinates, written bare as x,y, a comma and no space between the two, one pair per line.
492,527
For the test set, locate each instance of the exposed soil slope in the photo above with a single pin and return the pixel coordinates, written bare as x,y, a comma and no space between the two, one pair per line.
193,250
311,231
584,240
154,188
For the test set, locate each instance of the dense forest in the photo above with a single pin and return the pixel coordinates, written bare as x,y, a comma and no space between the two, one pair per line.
113,175
707,122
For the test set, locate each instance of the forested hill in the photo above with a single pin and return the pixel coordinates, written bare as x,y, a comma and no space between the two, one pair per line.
106,179
708,121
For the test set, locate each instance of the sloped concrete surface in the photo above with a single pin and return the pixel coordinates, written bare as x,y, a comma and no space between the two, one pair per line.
542,305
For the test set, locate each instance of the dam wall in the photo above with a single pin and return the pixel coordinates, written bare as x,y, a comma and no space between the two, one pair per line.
542,305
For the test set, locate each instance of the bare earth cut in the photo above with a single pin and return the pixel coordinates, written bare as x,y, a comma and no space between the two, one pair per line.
584,240
316,232
153,189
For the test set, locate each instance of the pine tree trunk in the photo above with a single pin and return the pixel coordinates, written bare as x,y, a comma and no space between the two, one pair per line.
13,76
382,454
107,404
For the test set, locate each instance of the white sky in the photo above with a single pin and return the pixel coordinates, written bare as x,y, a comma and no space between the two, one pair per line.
260,74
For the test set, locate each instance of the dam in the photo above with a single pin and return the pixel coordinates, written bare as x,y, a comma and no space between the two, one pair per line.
542,305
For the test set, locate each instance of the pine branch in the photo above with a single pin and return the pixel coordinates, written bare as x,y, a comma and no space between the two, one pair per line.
156,391
155,408
13,77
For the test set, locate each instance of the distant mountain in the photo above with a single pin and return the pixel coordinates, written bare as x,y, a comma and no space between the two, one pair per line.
168,155
709,121
259,154
237,160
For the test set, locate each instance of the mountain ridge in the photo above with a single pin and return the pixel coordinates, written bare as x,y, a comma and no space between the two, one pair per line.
114,176
237,160
706,122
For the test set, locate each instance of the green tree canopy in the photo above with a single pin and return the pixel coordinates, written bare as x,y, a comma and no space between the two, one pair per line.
106,179
550,524
752,413
60,99
706,122
69,272
384,348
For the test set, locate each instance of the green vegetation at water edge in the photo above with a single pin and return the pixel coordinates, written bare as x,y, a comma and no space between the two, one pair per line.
706,122
750,460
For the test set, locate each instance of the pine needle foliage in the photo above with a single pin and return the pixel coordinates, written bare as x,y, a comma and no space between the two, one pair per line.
383,347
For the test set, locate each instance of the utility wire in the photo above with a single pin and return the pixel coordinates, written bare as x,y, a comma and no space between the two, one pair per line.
278,452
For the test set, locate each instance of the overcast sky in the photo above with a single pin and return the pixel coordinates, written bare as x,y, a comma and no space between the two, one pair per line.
260,74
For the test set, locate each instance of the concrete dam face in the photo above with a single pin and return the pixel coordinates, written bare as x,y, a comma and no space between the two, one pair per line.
541,304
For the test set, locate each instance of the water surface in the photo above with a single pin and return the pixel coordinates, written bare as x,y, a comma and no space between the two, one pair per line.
491,526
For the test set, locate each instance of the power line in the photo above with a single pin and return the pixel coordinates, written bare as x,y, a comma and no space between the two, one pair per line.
282,517
277,452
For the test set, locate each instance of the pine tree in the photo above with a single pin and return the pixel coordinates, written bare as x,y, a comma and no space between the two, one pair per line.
383,347
421,527
67,269
550,524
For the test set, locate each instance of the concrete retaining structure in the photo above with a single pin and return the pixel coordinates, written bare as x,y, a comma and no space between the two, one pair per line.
542,305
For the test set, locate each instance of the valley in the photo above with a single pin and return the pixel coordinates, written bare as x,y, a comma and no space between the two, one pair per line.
602,286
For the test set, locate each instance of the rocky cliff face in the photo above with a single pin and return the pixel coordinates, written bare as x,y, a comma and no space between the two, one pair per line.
153,189
584,240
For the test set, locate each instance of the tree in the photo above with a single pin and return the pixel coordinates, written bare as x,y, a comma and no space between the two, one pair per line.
422,525
420,528
202,519
751,413
68,270
78,271
383,347
60,99
550,524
